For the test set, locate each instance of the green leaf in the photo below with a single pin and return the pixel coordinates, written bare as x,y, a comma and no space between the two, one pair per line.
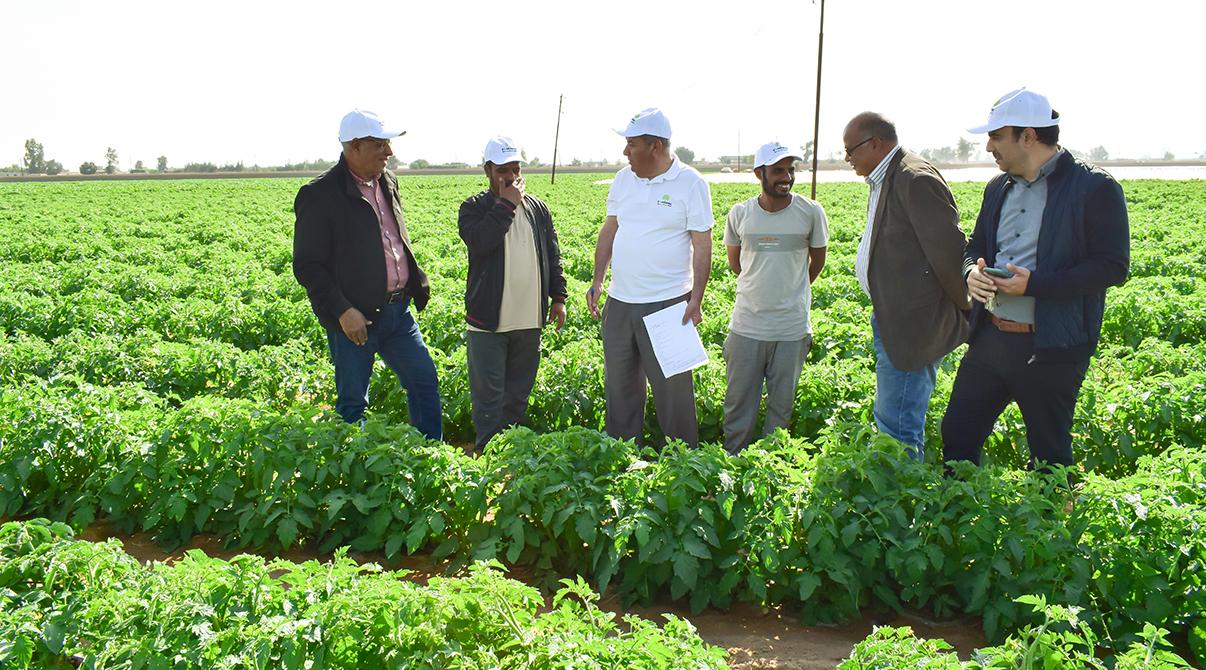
806,584
695,547
286,532
686,568
585,526
393,544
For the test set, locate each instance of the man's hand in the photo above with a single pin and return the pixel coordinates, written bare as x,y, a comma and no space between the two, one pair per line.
979,285
557,313
694,313
512,192
1015,285
592,299
355,326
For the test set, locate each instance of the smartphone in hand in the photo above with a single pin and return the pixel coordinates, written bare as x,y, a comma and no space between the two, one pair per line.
997,272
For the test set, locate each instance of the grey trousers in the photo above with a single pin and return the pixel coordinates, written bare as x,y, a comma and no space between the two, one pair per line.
748,364
628,362
502,370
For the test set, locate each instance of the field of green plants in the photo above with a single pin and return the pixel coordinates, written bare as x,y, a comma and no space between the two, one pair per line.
160,369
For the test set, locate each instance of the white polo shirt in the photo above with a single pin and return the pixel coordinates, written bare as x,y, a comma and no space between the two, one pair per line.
651,256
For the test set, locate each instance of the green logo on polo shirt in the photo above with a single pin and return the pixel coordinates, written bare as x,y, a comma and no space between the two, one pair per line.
665,201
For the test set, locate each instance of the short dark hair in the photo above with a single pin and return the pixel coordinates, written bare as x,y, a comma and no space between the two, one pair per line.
873,124
1048,135
654,138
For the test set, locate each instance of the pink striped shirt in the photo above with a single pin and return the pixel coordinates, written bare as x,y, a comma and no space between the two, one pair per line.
396,269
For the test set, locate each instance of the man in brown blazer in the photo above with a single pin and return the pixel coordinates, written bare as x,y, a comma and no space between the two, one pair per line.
910,263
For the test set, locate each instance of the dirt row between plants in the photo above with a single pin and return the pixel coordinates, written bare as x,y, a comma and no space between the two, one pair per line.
757,638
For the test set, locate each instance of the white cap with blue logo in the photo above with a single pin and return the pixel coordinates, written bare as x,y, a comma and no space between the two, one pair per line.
501,150
773,152
649,121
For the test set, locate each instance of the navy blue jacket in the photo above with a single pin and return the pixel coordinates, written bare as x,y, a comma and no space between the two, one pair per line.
1084,246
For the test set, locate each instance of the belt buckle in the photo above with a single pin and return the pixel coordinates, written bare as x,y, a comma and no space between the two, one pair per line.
395,296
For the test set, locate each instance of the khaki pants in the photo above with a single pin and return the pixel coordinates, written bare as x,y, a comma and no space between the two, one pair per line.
628,362
750,363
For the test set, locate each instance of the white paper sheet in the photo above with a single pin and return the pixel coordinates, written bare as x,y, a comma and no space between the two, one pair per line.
677,347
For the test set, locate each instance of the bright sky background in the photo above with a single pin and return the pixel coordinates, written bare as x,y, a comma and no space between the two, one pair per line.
266,82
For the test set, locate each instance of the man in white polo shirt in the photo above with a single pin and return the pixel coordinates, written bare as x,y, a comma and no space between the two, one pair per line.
776,246
657,238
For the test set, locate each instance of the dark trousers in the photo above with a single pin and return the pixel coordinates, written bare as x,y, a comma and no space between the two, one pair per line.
628,362
395,337
1001,367
502,370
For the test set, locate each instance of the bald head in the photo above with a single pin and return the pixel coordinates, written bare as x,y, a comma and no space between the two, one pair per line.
874,124
868,138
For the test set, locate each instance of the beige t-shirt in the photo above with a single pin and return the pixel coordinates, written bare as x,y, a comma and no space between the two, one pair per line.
773,294
520,307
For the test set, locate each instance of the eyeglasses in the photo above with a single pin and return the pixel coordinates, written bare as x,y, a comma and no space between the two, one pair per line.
377,143
855,147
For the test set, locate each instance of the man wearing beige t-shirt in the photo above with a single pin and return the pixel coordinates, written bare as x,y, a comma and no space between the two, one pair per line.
776,246
514,286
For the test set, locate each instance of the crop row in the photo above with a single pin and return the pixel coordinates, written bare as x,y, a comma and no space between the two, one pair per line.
1134,401
186,288
63,599
832,526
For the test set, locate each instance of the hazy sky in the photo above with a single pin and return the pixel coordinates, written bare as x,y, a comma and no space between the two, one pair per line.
267,82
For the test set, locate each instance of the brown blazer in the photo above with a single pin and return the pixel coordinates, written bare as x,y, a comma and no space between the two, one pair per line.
915,265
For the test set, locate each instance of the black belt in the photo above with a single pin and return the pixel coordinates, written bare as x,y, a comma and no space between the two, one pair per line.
395,297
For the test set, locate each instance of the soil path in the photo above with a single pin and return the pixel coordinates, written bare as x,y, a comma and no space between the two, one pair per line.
757,638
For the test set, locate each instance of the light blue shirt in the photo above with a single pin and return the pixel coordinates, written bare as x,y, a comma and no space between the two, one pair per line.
1017,237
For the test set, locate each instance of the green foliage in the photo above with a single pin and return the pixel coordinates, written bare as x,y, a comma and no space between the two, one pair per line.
160,367
62,598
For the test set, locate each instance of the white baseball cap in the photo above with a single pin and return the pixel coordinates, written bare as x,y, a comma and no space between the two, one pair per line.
363,123
1021,109
648,122
500,150
773,152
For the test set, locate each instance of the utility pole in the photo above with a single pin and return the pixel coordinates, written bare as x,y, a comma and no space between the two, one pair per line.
556,139
816,120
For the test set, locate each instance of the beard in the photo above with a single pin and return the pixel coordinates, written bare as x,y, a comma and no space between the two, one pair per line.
771,192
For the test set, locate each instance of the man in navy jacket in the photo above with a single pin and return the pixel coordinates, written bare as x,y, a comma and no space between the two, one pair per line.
1052,235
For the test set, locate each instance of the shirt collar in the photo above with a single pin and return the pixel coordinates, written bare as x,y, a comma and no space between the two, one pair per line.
1044,171
676,167
360,180
877,175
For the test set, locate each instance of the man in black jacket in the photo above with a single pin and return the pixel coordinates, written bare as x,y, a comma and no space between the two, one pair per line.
1051,236
514,286
353,256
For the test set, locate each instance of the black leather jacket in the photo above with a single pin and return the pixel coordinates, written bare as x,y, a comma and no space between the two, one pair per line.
337,252
483,222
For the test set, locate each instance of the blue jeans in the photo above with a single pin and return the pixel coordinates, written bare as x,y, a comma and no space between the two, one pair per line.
395,336
902,398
